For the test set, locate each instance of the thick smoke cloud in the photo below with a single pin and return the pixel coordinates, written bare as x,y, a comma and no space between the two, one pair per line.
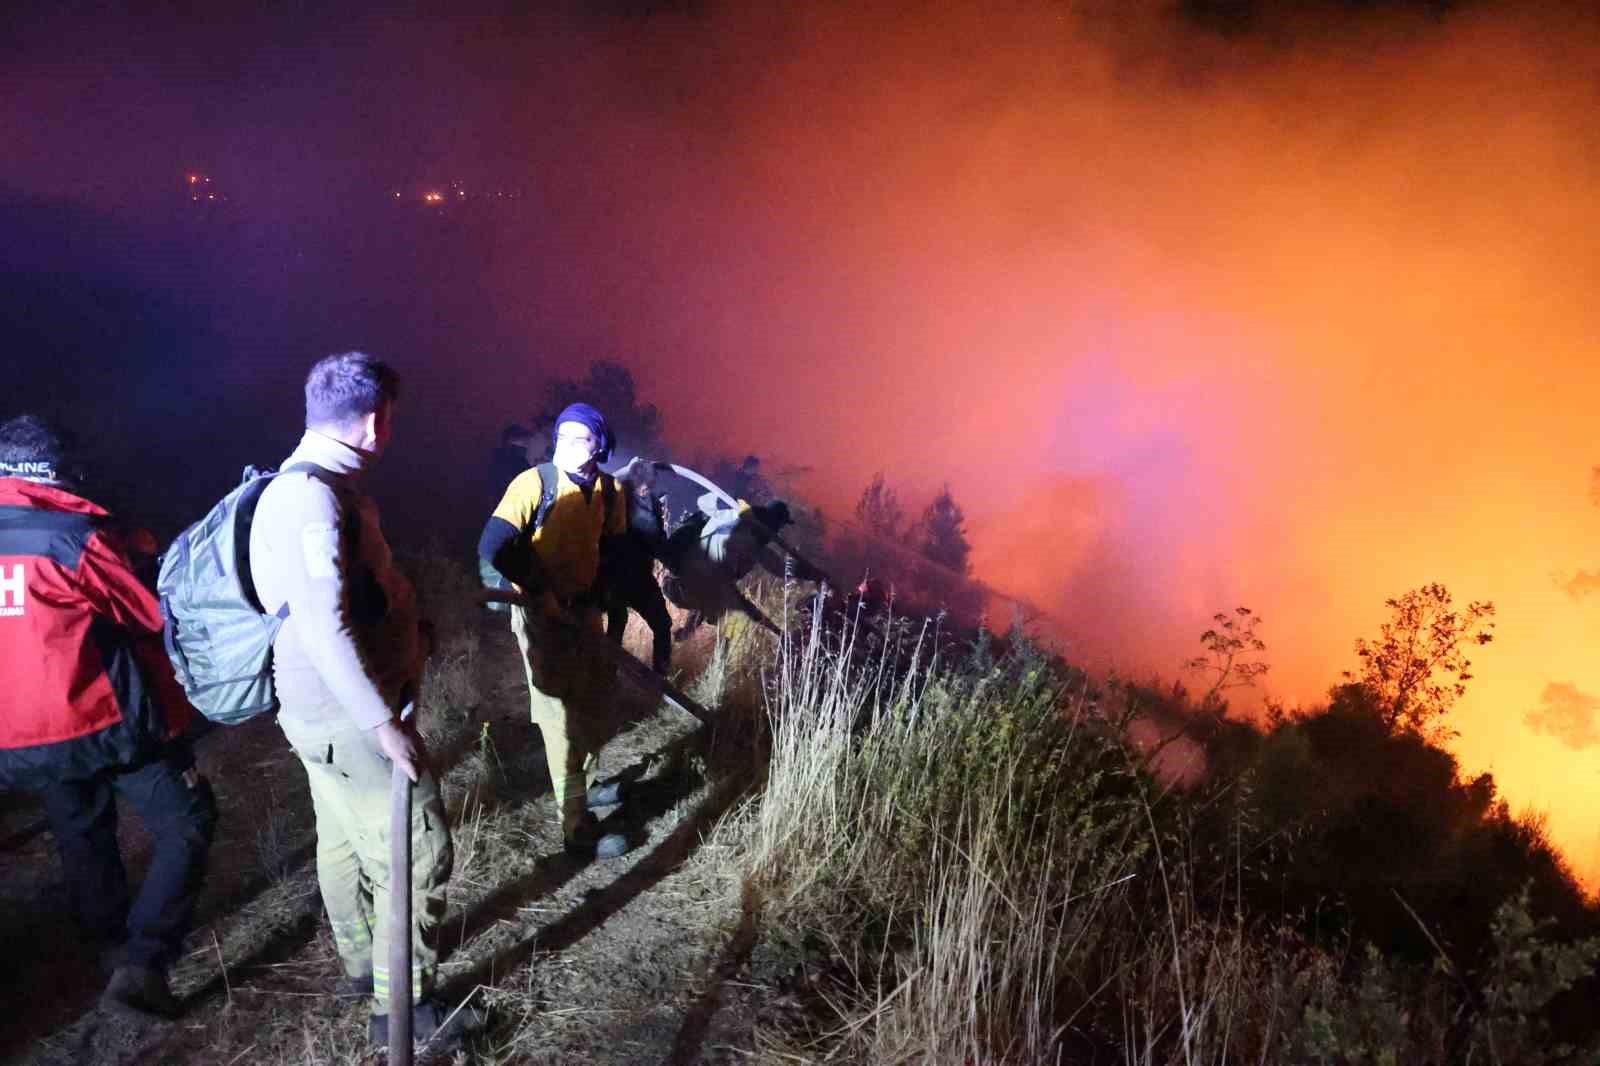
1567,714
1299,315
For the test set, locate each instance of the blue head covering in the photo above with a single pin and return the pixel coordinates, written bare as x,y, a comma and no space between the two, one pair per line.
594,422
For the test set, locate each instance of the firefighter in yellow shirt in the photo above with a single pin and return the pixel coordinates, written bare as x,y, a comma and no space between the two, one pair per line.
544,537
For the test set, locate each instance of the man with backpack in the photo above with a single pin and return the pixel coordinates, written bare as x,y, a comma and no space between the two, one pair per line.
91,712
544,538
713,551
346,664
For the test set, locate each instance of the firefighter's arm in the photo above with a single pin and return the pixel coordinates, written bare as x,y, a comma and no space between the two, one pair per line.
503,547
107,581
502,544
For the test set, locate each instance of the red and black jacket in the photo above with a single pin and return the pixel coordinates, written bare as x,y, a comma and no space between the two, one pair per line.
86,685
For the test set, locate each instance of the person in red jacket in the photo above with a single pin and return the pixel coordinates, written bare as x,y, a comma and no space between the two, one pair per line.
90,710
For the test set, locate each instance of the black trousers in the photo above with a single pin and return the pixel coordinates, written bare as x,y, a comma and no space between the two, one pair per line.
181,819
636,587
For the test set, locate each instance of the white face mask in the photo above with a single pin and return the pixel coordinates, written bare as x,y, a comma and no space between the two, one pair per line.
575,447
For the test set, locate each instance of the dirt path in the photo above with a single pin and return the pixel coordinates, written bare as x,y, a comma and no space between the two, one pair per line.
633,960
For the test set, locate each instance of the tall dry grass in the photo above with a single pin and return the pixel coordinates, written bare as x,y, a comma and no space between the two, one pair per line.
917,815
968,864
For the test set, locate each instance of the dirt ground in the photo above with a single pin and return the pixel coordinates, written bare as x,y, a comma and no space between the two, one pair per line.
641,959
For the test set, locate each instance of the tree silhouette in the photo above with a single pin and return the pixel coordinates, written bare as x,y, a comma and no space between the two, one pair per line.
942,538
609,386
1229,646
1418,668
878,511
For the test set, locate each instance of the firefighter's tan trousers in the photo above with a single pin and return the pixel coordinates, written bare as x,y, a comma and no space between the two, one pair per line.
567,692
350,783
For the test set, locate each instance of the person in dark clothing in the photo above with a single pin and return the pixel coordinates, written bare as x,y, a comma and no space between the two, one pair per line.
520,448
748,483
627,564
92,712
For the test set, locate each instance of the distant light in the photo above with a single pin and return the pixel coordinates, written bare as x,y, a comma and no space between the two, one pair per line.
193,179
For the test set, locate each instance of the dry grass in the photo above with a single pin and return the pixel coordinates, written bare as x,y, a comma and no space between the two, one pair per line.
950,860
872,839
963,862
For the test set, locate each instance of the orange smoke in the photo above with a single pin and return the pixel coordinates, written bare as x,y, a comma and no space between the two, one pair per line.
1298,321
1299,318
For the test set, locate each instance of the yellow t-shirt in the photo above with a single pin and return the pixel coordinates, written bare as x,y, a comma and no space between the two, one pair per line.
568,543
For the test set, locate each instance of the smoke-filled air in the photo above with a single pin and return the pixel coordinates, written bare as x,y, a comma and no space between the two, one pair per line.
1290,312
874,531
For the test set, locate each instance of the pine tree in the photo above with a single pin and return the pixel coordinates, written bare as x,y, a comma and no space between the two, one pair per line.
943,540
878,511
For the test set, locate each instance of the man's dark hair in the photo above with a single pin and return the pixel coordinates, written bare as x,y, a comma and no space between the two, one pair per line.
515,434
34,446
348,386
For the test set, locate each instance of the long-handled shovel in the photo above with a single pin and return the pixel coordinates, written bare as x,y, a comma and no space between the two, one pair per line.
399,918
635,671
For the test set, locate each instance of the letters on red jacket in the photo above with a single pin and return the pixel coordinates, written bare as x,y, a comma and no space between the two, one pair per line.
84,682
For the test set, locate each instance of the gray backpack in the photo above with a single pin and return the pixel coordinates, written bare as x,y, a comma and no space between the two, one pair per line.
218,635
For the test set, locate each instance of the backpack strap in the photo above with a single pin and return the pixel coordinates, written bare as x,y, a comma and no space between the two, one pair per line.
327,477
254,483
549,481
608,497
349,519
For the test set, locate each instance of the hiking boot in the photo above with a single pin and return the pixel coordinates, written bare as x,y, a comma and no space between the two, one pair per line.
140,991
432,1022
588,841
606,795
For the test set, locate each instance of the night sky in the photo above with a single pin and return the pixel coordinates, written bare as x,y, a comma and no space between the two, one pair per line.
1284,305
